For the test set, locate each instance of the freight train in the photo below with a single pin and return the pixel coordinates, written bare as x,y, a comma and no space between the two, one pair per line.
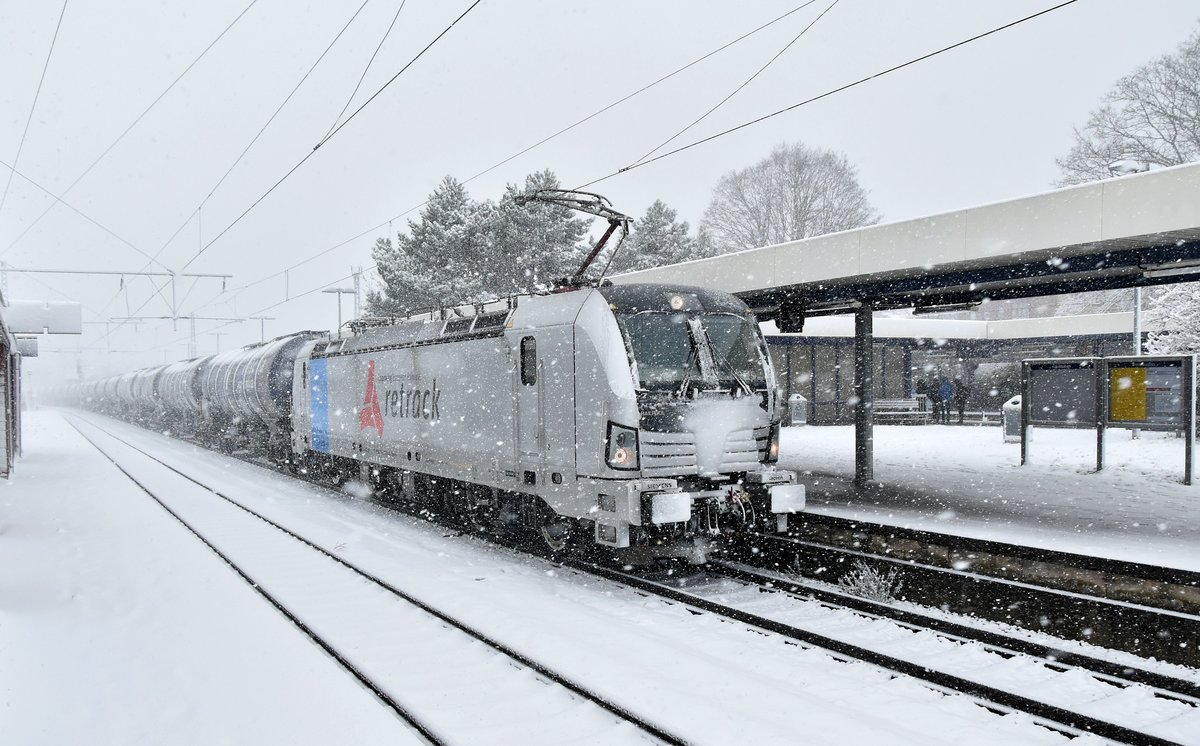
643,418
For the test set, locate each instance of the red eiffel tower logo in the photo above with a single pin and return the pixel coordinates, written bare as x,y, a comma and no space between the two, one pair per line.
369,415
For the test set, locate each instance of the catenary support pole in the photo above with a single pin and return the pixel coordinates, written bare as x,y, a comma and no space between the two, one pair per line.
1189,403
1103,375
1024,412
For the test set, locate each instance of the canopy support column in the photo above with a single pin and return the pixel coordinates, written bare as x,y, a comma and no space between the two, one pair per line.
864,414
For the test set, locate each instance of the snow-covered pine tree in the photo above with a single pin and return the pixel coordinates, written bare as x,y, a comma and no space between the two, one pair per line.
656,240
534,244
443,258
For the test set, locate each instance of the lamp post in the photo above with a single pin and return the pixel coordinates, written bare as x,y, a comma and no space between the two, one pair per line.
339,292
1128,167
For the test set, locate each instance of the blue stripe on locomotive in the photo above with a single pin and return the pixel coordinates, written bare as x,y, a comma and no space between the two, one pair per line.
318,383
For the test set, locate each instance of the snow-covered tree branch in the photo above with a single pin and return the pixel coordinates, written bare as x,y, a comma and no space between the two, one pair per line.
1149,118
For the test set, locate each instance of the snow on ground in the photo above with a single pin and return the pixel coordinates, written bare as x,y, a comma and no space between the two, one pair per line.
963,479
130,631
118,627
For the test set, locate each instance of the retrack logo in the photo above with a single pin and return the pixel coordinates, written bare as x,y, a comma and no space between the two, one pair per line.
406,402
369,415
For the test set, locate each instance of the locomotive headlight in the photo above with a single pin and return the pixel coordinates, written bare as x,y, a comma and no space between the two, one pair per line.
621,447
773,448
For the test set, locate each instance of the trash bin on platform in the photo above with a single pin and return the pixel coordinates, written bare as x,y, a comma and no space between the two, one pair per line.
1011,414
797,410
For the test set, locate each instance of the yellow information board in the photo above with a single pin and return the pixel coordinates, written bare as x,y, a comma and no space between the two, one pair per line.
1128,395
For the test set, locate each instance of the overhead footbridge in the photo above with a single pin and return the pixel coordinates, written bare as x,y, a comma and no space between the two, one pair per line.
1130,231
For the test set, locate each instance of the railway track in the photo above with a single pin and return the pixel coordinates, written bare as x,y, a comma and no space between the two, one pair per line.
1119,580
735,593
1175,700
411,679
961,583
1118,674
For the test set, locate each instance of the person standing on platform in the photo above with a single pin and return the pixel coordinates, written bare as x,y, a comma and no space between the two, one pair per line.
946,394
961,392
935,399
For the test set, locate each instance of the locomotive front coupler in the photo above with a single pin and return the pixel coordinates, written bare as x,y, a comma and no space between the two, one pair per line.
777,493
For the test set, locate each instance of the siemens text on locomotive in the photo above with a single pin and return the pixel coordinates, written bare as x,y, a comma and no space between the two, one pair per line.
640,417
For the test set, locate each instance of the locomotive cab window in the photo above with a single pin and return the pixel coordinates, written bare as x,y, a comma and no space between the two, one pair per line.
663,347
737,349
528,361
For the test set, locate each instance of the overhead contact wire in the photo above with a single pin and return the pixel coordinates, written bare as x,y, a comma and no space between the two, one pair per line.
745,83
367,68
245,150
59,199
752,122
135,122
790,108
336,130
33,106
832,92
537,144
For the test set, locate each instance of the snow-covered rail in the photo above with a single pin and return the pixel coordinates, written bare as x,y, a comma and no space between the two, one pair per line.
1120,674
1165,587
1062,697
1091,599
1078,702
423,664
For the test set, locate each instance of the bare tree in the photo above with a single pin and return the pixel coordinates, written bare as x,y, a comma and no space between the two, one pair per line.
793,193
1151,117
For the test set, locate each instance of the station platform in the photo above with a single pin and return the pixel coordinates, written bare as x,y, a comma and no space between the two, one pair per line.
966,481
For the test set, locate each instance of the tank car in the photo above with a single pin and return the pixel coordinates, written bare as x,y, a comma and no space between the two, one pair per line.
245,395
179,396
640,417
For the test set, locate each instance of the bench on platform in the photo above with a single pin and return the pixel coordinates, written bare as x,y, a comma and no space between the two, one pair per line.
902,411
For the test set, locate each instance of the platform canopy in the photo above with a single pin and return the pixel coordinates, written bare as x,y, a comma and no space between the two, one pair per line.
1129,231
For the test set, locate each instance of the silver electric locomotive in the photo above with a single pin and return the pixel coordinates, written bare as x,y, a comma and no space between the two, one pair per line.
641,416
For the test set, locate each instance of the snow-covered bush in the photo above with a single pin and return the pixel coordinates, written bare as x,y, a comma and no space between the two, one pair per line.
867,582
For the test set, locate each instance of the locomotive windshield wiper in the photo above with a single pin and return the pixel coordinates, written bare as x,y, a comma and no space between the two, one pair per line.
724,363
693,357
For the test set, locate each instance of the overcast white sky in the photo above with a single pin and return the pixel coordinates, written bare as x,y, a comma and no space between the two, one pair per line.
979,124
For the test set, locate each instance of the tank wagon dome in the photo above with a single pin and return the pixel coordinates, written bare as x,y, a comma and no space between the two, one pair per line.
663,297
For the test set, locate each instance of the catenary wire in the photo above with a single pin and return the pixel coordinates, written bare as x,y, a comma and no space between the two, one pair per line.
203,248
367,68
133,124
336,130
832,92
525,150
737,90
246,150
59,200
33,106
417,207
